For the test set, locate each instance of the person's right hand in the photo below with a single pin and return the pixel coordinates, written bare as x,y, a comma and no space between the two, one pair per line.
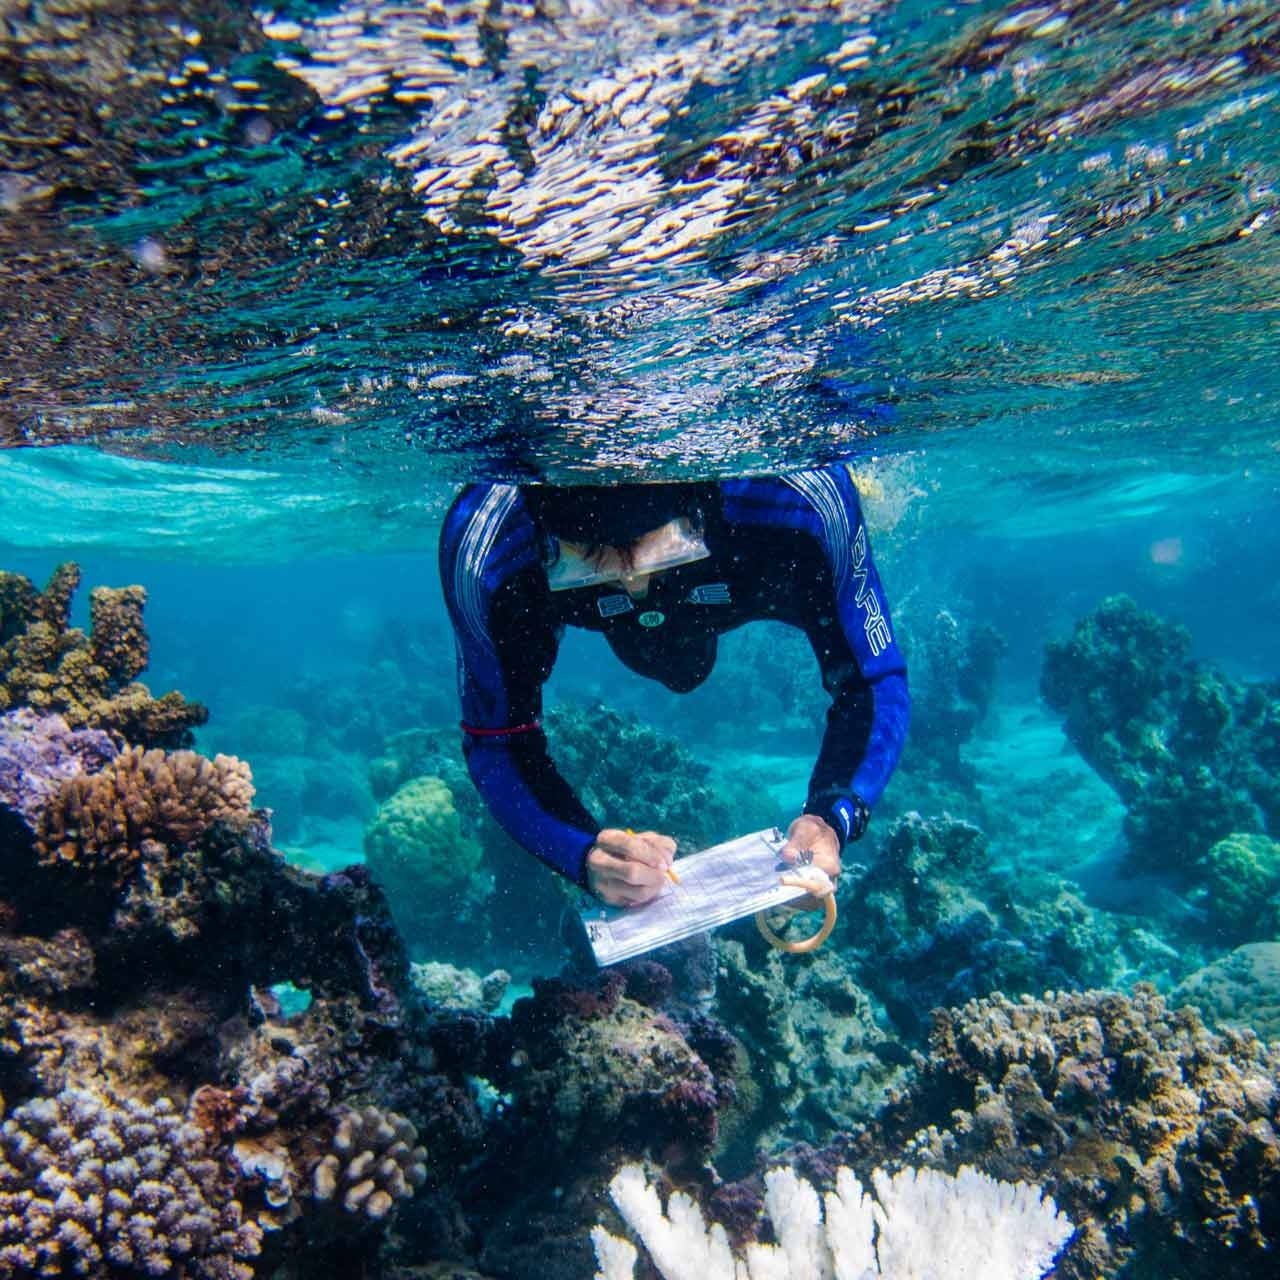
627,868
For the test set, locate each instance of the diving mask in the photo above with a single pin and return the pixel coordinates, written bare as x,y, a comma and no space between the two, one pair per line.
675,543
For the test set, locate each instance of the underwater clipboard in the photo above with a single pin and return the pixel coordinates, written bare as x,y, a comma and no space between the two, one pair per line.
717,885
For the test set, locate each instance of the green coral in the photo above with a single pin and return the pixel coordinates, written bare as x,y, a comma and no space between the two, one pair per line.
1240,990
1242,874
416,850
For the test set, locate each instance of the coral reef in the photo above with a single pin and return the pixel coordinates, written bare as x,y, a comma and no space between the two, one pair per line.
374,1163
91,1184
49,666
432,873
464,898
1158,1137
512,909
586,1070
39,753
818,1057
300,775
592,1068
938,922
1194,756
1239,990
648,780
102,821
1241,876
953,682
919,1223
447,986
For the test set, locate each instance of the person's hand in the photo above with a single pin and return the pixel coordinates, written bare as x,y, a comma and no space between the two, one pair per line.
627,868
811,833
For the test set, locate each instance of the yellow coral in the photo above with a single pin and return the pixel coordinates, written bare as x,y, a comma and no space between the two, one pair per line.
117,635
52,667
100,820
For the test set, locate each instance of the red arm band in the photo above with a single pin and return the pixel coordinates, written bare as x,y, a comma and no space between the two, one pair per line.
532,727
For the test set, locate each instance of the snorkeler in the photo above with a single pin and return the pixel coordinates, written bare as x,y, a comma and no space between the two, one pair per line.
662,570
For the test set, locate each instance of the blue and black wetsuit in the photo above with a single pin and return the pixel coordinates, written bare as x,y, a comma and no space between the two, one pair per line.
791,548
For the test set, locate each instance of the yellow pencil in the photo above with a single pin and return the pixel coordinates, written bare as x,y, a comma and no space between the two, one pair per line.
671,875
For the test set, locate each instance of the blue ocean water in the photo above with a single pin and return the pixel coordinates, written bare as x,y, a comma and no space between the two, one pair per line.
278,281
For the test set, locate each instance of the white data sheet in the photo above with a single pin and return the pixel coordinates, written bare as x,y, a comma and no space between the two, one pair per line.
720,884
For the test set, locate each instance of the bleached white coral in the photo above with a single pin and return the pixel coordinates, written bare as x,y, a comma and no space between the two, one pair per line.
936,1227
921,1225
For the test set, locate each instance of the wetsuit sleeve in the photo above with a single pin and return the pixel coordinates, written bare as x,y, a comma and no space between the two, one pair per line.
870,707
507,642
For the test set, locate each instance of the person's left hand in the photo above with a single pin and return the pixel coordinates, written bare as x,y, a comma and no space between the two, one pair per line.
810,832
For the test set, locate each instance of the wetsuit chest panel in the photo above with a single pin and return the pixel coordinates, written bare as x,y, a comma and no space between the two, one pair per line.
752,574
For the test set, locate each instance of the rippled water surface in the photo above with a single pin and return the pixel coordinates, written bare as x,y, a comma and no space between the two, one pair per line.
377,243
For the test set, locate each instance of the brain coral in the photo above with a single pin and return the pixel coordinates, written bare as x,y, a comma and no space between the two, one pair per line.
1242,876
1240,989
416,851
100,820
92,1184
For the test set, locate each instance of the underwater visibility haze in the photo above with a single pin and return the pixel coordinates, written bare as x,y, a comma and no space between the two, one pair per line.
278,995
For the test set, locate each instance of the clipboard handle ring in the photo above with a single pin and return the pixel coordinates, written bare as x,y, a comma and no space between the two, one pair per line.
800,946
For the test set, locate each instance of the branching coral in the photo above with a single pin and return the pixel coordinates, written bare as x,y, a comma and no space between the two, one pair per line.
374,1163
117,639
93,1184
100,821
920,1223
47,665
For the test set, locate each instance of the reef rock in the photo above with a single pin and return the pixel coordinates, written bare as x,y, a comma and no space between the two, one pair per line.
819,1058
1194,756
953,682
1156,1136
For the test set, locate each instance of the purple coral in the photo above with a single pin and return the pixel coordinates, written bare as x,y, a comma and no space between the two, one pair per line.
91,1183
39,753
